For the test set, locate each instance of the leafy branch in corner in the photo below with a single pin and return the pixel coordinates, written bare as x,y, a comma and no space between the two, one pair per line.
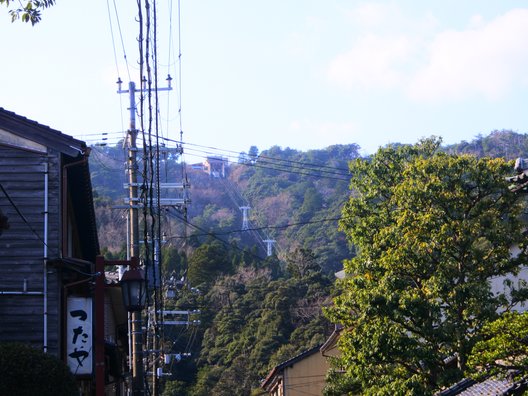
30,12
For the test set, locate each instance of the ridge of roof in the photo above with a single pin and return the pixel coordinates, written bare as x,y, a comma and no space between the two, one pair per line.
67,144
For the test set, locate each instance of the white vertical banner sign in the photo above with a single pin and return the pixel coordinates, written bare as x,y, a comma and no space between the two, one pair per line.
79,338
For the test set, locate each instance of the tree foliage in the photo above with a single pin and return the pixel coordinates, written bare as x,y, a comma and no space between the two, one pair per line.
504,347
28,12
258,313
504,143
282,186
430,230
25,371
253,320
208,262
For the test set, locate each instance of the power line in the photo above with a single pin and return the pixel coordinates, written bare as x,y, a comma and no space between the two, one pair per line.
102,164
112,33
235,153
283,167
309,172
206,233
121,38
19,212
294,167
297,164
180,71
217,233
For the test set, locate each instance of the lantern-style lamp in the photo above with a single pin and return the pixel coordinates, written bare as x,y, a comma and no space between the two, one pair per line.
134,289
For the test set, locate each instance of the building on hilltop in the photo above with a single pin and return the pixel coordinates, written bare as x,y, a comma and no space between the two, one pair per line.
215,167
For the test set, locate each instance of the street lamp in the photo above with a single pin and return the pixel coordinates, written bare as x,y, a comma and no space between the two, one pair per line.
133,289
134,292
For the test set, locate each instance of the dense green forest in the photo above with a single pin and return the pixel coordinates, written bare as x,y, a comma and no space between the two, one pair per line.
256,311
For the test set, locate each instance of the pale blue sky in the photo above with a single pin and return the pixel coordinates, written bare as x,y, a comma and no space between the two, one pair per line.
302,74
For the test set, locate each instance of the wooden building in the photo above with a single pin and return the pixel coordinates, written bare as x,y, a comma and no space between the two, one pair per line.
304,374
48,244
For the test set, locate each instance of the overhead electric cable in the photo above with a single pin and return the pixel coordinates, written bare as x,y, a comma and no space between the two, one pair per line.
262,164
158,301
262,158
236,154
297,164
105,133
115,53
102,164
169,61
180,72
212,235
122,42
112,33
295,170
19,212
313,169
237,231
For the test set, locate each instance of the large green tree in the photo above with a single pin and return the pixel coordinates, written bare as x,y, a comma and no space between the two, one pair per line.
430,229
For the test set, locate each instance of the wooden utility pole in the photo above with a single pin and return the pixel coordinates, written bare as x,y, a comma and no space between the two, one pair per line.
134,203
138,377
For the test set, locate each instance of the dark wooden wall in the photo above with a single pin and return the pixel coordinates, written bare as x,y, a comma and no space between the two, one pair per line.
22,175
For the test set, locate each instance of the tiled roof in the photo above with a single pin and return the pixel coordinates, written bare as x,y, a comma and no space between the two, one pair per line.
489,387
457,388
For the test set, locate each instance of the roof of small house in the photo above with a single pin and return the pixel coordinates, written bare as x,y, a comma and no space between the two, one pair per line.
290,362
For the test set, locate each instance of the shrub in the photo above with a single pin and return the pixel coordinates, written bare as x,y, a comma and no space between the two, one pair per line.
26,371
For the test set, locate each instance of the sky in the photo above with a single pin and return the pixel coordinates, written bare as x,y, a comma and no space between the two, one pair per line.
302,74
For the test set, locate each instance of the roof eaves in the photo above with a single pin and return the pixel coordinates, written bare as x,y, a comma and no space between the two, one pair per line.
43,134
332,339
290,362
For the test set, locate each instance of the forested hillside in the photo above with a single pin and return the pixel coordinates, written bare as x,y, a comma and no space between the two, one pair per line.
497,144
256,311
295,198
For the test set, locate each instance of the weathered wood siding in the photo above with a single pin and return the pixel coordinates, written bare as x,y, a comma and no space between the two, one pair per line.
22,175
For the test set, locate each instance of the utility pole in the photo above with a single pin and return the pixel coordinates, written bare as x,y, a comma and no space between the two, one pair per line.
138,378
134,203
